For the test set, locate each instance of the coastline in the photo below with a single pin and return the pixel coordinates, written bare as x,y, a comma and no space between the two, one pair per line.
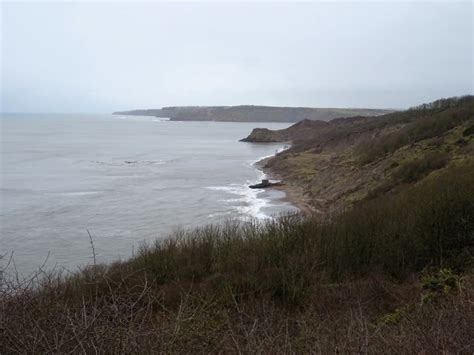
294,194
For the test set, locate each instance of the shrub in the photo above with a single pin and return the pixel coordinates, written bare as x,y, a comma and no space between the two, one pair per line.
414,170
438,284
468,131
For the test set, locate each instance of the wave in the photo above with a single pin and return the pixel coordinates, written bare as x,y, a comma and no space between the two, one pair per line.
76,193
42,192
248,203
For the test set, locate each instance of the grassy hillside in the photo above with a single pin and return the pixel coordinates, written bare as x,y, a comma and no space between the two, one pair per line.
392,273
249,113
348,160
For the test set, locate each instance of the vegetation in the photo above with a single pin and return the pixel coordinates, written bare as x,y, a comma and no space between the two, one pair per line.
342,162
419,124
415,169
391,269
248,113
294,284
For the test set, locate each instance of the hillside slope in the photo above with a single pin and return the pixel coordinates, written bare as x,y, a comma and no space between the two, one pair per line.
248,113
393,275
348,160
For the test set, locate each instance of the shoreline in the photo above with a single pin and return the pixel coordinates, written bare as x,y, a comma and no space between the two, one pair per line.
293,194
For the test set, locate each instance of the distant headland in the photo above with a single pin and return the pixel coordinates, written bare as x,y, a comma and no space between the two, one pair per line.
249,113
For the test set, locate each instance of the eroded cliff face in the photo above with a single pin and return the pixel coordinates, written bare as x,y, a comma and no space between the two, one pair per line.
340,163
304,129
263,135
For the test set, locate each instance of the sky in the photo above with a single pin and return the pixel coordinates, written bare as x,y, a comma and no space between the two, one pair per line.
106,56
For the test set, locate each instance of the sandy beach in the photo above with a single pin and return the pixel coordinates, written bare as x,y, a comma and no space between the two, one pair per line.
294,194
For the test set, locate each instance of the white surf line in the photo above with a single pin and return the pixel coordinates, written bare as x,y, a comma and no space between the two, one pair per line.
262,176
258,203
248,203
253,205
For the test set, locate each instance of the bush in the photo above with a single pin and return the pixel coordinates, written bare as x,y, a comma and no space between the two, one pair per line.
438,284
416,169
468,131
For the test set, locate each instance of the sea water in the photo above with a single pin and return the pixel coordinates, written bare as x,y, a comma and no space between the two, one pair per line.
124,179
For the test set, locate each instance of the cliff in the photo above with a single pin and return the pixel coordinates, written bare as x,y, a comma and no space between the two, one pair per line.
252,113
303,129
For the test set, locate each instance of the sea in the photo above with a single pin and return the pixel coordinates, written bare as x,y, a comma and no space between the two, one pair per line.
125,180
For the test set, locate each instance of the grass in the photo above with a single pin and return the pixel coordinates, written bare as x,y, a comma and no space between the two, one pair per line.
359,158
417,125
357,282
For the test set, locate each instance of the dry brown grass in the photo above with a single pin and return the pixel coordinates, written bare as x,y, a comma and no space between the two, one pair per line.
347,317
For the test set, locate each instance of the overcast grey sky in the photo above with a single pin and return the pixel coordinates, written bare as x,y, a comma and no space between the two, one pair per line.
101,57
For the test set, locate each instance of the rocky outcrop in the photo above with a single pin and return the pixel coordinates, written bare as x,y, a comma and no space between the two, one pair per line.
301,130
263,135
